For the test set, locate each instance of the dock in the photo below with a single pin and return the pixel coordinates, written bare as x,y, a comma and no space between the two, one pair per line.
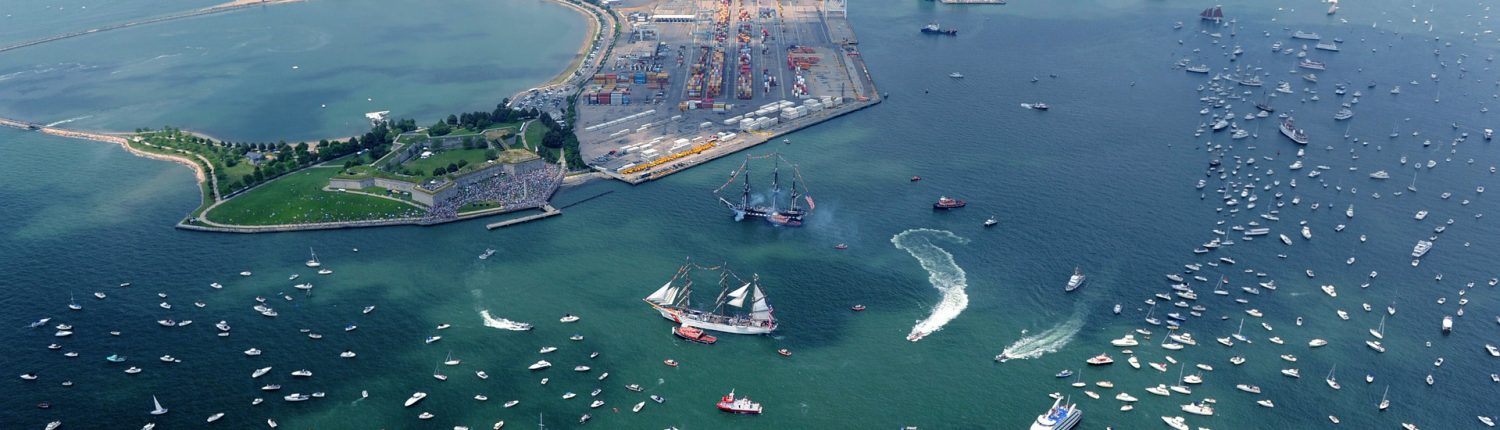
547,211
680,97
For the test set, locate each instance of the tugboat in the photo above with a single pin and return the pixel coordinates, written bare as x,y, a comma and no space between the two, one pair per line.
934,28
946,203
741,405
694,334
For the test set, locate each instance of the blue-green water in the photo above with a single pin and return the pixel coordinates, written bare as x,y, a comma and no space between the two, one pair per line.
296,71
1103,181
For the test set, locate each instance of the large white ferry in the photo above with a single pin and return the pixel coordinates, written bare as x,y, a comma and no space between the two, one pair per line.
1059,417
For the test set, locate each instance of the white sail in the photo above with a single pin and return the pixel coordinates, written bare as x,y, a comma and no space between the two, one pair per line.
760,311
660,296
740,292
670,296
739,296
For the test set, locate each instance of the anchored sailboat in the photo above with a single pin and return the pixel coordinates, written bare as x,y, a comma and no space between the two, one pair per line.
727,313
790,215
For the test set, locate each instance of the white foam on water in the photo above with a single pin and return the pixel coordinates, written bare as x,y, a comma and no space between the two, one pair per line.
57,123
502,323
945,275
1048,341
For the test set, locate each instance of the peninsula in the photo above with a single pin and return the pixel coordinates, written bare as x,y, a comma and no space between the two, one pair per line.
654,90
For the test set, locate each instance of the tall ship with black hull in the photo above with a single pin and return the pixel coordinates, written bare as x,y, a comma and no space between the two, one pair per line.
770,207
739,308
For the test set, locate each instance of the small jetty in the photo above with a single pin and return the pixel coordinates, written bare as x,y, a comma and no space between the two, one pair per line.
547,211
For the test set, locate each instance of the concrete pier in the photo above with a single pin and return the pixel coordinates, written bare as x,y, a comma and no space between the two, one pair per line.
547,211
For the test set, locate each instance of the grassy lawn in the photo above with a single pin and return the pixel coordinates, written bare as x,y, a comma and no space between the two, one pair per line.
299,198
443,159
534,133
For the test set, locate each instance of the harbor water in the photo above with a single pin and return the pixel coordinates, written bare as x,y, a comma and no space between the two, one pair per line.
1103,181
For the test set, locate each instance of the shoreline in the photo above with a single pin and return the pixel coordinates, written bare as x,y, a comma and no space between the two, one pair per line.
595,38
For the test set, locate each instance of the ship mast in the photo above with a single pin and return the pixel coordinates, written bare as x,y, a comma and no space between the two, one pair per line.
724,289
775,180
794,189
745,196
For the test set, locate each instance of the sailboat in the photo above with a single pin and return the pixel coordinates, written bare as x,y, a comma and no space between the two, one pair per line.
1237,333
313,262
1332,382
159,410
73,304
438,375
1180,387
790,216
1413,186
674,301
1151,319
1219,289
1379,333
1385,403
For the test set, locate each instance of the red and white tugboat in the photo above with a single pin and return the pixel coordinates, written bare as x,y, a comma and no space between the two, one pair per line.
947,203
741,405
694,334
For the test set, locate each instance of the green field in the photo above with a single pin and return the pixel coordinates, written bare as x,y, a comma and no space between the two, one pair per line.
443,159
299,198
534,133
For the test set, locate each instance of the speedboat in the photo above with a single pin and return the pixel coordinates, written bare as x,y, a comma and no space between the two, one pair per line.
539,365
415,397
569,318
259,372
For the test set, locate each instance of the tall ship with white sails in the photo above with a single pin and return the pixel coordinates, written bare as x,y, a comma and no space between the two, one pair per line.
771,208
739,308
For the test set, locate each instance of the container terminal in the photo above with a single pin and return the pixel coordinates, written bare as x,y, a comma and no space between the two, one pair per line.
693,80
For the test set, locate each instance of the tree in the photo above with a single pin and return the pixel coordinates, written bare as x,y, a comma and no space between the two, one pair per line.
462,163
490,154
452,167
439,129
439,171
452,119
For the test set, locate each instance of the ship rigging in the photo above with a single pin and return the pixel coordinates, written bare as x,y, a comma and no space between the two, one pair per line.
771,209
740,308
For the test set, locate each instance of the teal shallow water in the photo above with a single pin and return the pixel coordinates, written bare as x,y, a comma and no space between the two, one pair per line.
1103,181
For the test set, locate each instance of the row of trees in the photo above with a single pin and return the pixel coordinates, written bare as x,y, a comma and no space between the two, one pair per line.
560,137
480,120
276,158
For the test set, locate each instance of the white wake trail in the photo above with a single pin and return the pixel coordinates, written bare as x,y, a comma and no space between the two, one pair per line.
942,273
1046,342
502,323
57,123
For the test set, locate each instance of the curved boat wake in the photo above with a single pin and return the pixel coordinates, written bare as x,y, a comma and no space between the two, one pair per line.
942,272
502,323
1048,341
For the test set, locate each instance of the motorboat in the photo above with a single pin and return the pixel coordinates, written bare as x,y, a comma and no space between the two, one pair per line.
539,365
